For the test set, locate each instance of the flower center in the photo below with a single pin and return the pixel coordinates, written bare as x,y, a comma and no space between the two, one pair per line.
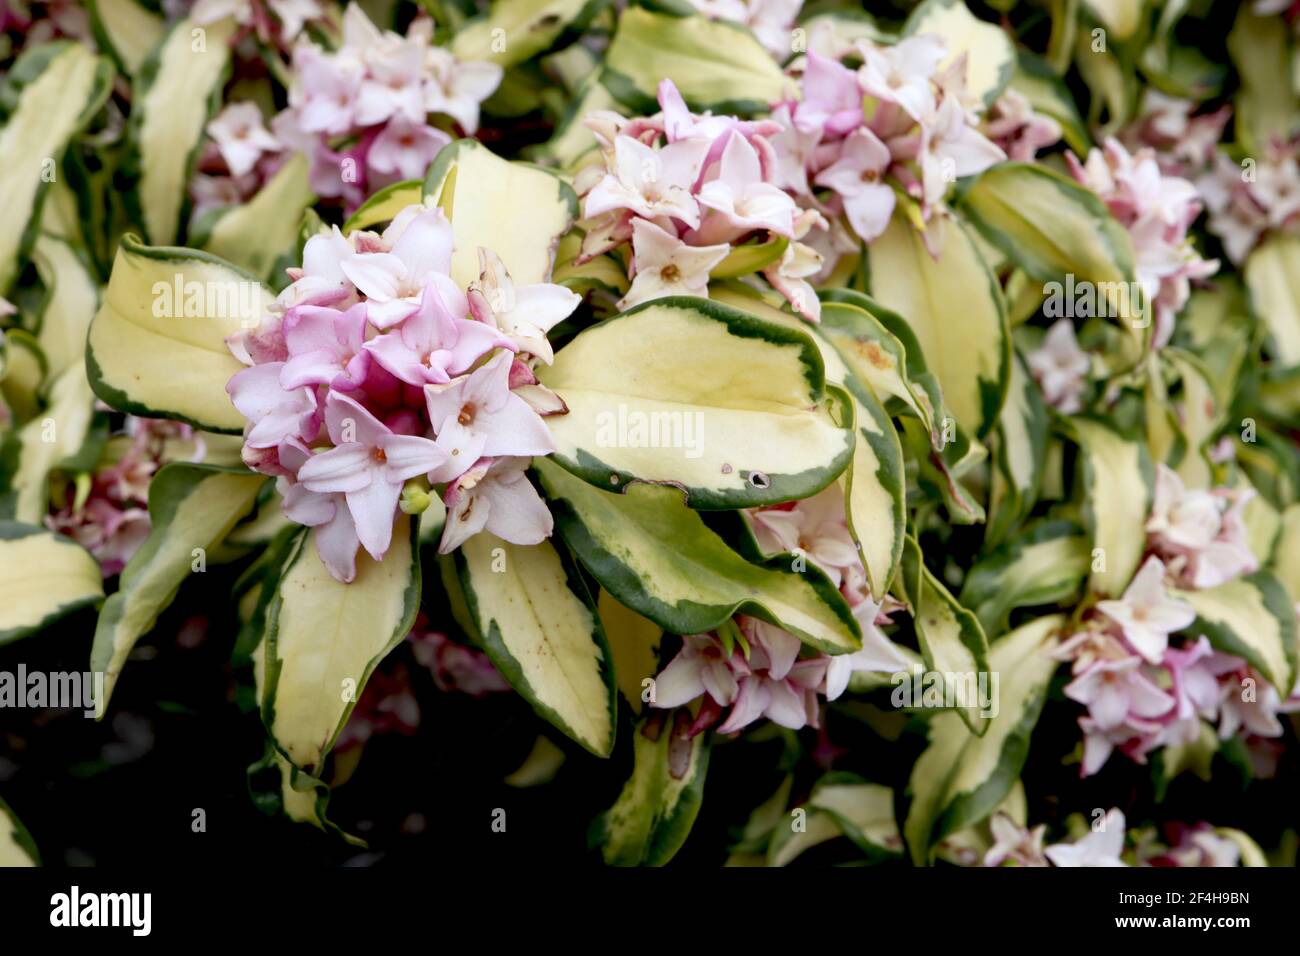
466,416
870,175
670,273
379,455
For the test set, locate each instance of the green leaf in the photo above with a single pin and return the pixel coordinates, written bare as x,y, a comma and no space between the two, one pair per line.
657,557
1118,481
952,641
716,65
1035,80
1045,564
50,93
17,848
255,234
882,352
1254,618
157,346
43,576
518,211
1020,452
736,414
1121,18
1273,280
873,484
22,370
653,814
1267,108
72,298
190,507
1286,554
841,804
385,204
970,357
960,779
538,624
513,31
633,645
30,453
176,89
126,30
1048,224
324,639
991,56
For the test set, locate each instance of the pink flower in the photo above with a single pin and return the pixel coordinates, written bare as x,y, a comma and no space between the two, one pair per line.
1134,737
1101,846
901,74
665,265
651,183
1014,844
368,464
325,347
241,137
1146,615
431,345
405,149
495,496
321,280
1115,690
325,92
393,87
478,411
832,101
522,314
858,177
394,282
1060,367
878,653
328,513
741,201
951,148
276,413
456,89
814,527
456,668
700,667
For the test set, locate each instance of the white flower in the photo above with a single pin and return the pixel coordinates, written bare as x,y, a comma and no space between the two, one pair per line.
1147,615
240,136
667,266
1101,847
1060,367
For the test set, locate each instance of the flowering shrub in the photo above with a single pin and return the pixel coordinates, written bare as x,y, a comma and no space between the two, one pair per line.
895,408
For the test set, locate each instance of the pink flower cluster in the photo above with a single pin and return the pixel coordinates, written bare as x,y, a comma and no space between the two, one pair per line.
1201,535
377,369
1195,845
1142,692
770,20
762,673
361,113
1247,202
1156,210
1184,141
110,516
1017,129
857,137
684,189
278,21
